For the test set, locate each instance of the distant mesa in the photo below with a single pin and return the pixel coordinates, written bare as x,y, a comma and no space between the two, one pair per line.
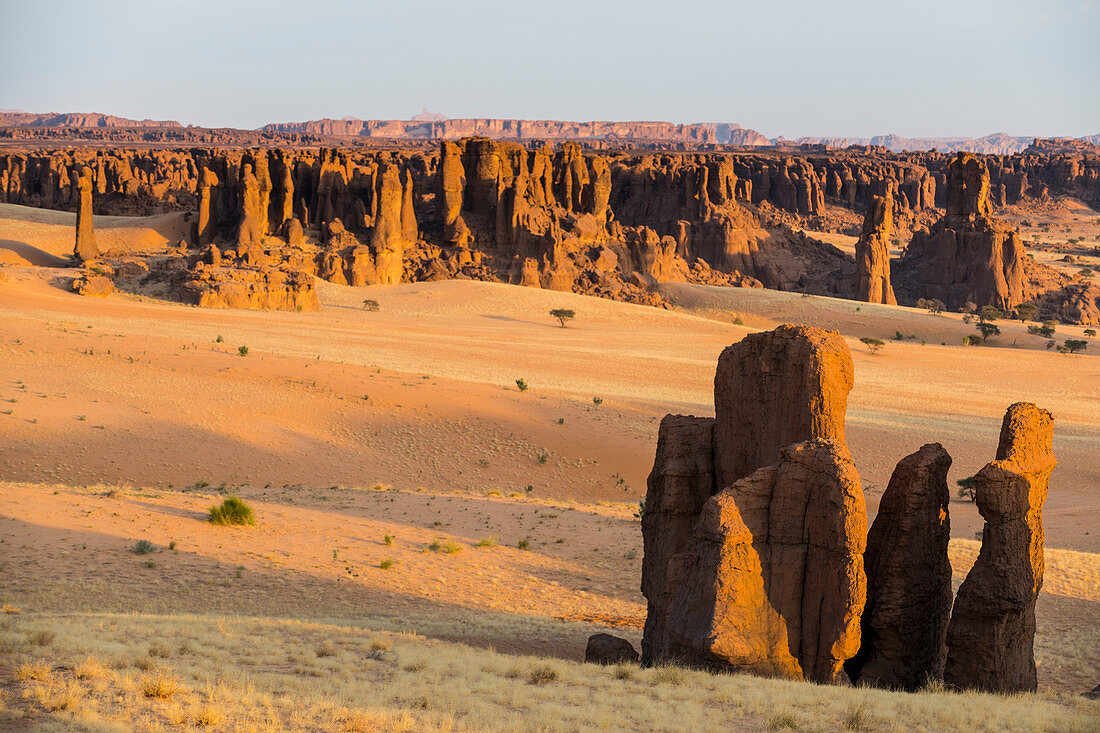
76,119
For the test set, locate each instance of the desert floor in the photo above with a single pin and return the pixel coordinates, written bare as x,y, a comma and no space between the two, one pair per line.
126,418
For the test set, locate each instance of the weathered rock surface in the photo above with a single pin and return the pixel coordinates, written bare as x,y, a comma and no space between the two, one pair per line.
772,580
680,484
968,256
776,388
608,649
86,248
93,284
873,252
990,640
259,288
904,626
723,572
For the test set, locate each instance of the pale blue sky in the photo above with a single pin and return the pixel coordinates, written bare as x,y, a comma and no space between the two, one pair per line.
783,67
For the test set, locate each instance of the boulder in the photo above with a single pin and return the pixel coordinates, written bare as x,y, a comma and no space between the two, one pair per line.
608,649
908,578
991,637
94,285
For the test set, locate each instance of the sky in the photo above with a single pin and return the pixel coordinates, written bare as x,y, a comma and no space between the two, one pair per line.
782,67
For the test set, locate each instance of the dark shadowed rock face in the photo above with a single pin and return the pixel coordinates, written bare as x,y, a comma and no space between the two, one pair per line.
772,580
608,649
776,388
873,252
990,641
908,577
682,481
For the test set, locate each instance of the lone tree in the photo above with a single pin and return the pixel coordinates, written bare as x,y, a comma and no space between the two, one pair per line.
988,330
563,315
932,305
873,345
967,490
1025,311
1090,333
1075,345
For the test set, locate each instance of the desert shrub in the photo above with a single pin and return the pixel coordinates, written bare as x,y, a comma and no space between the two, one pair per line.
972,341
1090,333
490,541
521,385
242,350
36,671
641,509
160,685
142,547
232,511
447,547
782,721
386,564
543,457
966,488
326,649
563,315
872,344
597,401
219,339
524,544
542,674
989,313
387,539
371,305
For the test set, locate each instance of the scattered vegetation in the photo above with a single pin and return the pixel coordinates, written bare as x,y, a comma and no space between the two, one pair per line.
563,315
1025,312
1072,346
232,511
597,401
873,344
521,385
1046,330
242,350
490,541
447,547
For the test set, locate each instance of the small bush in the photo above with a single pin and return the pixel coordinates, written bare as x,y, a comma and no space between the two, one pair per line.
143,547
242,350
521,385
447,547
387,539
150,564
490,541
597,401
541,675
371,305
386,564
41,638
232,511
523,544
782,721
666,675
160,685
622,672
326,649
36,671
219,340
208,717
641,510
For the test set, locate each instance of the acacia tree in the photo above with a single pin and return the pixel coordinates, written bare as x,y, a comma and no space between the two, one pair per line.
563,315
873,344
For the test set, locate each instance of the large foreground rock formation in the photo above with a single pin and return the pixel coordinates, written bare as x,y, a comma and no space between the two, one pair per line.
908,577
755,525
990,642
968,256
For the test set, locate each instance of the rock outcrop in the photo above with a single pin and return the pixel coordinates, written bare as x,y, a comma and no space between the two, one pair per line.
754,527
990,640
260,288
772,580
86,248
608,649
968,256
904,627
873,252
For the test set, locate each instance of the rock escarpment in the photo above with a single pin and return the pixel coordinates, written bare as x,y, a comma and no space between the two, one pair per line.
904,627
873,252
754,527
990,641
968,256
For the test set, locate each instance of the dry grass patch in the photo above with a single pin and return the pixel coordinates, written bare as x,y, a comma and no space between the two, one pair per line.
161,685
34,670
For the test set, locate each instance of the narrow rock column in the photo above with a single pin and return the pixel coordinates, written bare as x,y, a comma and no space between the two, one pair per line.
86,248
